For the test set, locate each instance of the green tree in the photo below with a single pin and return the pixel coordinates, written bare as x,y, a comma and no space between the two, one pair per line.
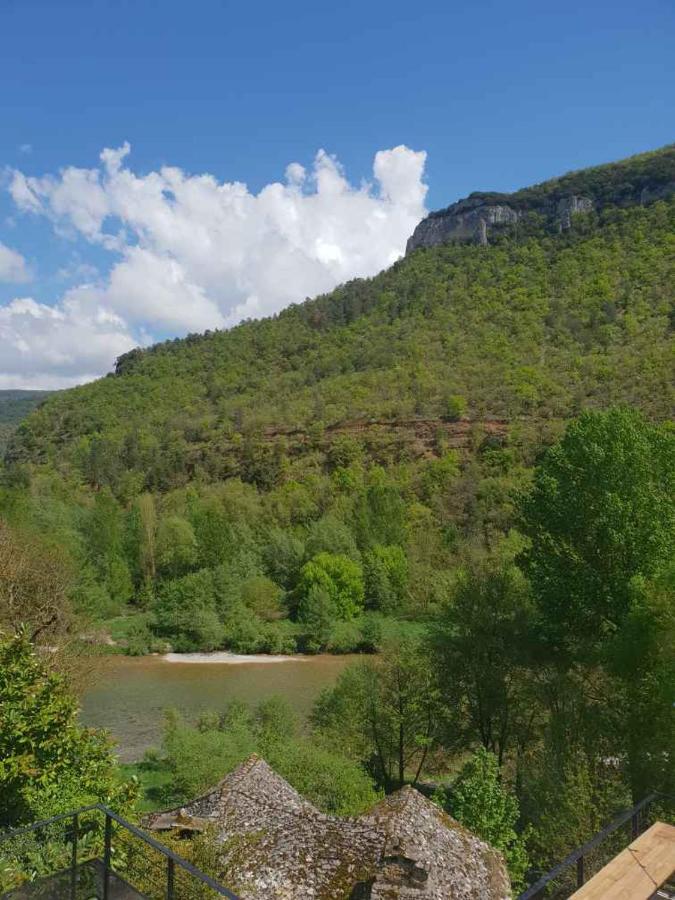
567,798
455,407
599,514
481,646
283,554
327,778
212,531
176,547
184,611
330,535
36,584
317,612
200,756
379,512
386,713
385,572
480,801
439,474
340,577
263,597
145,521
104,537
642,657
48,762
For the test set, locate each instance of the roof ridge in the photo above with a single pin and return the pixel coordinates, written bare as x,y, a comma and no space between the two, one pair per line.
249,763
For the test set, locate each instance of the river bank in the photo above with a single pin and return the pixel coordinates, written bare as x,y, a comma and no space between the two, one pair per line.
128,695
223,657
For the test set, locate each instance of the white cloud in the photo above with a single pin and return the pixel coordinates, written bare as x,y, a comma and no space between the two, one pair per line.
55,347
75,269
190,252
13,266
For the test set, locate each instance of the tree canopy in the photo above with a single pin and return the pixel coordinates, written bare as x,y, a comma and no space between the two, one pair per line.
48,762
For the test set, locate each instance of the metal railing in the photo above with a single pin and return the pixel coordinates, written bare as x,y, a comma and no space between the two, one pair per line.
92,851
636,815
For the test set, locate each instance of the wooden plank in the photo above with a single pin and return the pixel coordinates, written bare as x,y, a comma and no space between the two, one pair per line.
637,871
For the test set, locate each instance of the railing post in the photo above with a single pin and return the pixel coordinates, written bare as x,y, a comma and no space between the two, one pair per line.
580,872
73,859
635,825
170,878
106,855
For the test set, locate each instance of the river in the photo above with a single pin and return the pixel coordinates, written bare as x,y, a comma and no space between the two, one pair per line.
127,695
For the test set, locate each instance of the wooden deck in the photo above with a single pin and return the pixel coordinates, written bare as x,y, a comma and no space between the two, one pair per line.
637,872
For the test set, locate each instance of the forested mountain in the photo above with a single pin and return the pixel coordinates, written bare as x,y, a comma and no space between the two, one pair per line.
465,463
343,457
15,406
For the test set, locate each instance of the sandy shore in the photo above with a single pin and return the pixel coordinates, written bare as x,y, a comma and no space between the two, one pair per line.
231,659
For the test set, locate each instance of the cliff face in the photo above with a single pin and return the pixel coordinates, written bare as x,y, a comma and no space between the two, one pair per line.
639,180
467,220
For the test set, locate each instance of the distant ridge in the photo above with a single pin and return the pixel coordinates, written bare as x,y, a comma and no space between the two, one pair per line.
545,321
636,181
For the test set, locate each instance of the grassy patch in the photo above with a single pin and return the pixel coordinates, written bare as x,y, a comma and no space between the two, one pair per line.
154,777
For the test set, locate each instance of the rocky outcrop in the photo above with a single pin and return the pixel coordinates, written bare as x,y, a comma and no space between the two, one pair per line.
277,845
474,220
468,220
636,181
569,206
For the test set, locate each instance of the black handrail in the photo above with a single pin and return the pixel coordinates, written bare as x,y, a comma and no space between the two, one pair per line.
173,859
577,856
161,848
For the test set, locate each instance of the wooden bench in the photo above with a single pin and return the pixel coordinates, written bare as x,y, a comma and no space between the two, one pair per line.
637,872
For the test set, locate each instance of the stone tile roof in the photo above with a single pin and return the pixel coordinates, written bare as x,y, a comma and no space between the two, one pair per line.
278,846
428,854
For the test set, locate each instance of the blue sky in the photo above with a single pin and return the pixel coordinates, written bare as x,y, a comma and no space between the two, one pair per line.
498,95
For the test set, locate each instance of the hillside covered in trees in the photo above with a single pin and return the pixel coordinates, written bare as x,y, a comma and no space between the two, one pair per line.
301,481
465,464
14,407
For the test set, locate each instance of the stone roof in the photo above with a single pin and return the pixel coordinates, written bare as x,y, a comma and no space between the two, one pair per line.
428,854
278,846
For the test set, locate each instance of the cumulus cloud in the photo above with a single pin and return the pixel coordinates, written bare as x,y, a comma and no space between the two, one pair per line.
13,266
190,252
55,347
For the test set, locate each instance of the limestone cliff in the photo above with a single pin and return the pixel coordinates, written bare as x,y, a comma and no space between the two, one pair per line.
553,204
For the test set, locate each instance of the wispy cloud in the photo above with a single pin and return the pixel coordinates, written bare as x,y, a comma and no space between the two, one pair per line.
13,267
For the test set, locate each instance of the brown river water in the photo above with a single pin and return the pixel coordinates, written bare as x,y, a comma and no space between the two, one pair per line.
128,695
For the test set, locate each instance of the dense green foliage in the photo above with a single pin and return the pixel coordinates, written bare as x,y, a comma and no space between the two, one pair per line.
541,326
583,559
14,407
480,801
386,713
199,756
48,762
207,482
575,718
